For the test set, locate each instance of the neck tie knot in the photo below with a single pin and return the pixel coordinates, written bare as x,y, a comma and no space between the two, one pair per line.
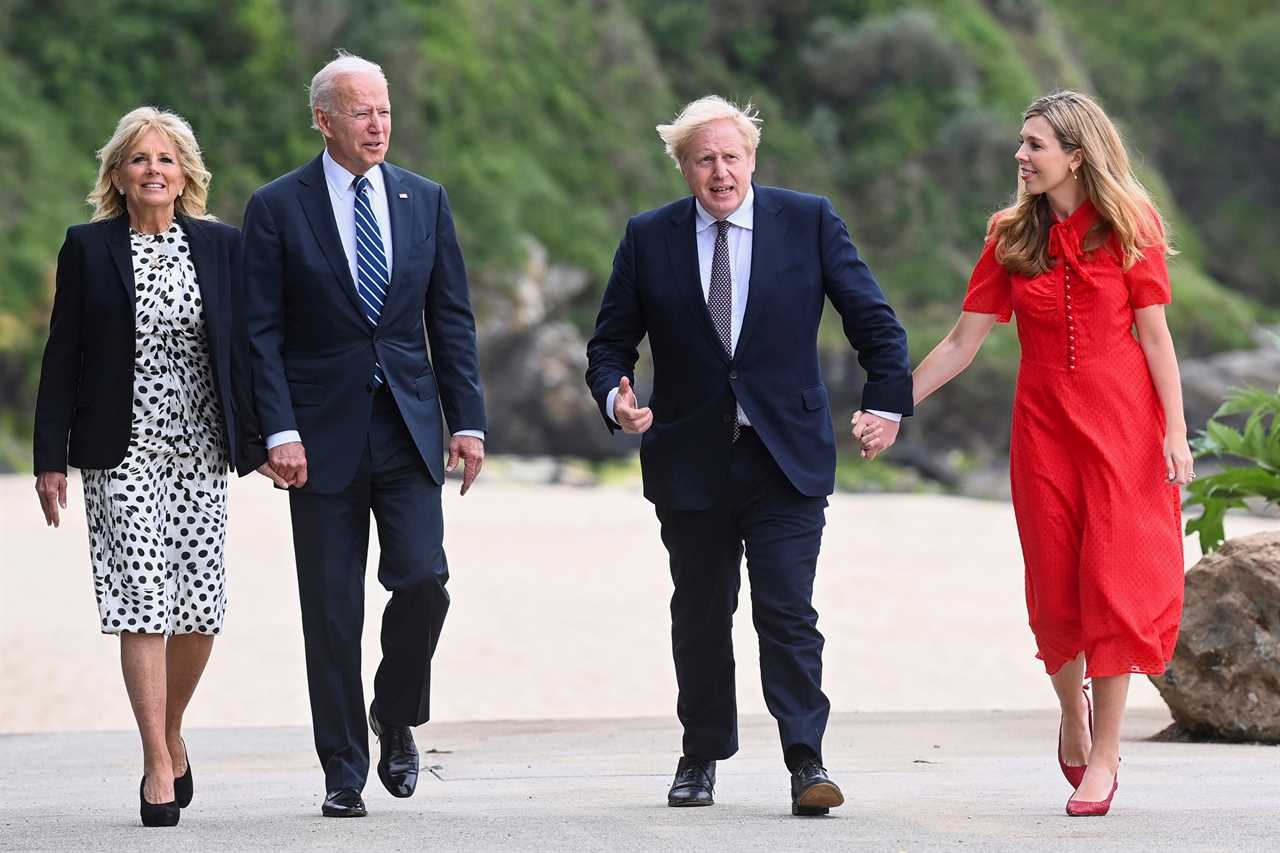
361,184
722,228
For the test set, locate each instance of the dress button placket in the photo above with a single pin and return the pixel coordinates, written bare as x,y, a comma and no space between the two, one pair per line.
1071,332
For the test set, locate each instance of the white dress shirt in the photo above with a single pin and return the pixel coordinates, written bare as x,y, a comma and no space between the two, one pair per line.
342,196
741,224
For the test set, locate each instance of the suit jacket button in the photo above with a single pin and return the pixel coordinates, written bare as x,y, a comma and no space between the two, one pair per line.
733,374
727,417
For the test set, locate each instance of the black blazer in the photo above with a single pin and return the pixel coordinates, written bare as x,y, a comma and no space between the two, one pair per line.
312,349
801,256
84,408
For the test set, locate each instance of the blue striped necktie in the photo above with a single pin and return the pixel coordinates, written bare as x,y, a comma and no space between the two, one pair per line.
372,276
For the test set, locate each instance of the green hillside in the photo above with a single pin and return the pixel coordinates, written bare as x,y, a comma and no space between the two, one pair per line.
538,117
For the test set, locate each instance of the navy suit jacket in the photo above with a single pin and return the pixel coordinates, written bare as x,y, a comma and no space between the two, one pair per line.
84,408
801,256
312,349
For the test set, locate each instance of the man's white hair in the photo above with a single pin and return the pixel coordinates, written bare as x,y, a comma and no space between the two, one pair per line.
324,86
695,116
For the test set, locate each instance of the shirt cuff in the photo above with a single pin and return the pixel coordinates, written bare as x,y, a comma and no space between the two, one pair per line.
608,405
283,437
896,417
470,433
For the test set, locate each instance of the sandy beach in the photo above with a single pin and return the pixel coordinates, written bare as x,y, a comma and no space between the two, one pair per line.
559,611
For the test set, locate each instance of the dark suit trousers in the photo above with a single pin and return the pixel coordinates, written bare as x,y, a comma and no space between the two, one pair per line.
331,543
780,531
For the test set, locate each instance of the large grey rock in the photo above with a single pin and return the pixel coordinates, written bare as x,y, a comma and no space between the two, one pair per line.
1205,381
1224,681
533,364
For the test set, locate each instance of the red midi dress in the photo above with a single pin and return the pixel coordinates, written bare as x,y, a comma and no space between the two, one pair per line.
1100,524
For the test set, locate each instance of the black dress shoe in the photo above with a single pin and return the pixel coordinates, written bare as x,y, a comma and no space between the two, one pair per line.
398,762
157,814
184,786
694,783
344,802
812,791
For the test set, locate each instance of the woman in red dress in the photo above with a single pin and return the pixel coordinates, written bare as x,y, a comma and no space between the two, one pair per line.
1099,441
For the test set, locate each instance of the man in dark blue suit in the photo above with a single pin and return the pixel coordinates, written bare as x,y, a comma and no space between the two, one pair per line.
347,259
738,453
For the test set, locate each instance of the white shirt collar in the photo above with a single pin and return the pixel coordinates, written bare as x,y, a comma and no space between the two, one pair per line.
341,180
743,217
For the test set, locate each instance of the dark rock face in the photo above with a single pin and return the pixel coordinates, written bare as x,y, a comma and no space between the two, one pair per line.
1204,381
534,362
1224,681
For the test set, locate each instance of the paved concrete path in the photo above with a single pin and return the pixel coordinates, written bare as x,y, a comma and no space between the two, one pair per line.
980,781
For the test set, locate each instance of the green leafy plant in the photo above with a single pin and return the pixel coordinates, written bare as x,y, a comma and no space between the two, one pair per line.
1257,443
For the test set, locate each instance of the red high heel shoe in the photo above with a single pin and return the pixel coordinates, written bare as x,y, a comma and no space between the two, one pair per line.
1075,774
1088,808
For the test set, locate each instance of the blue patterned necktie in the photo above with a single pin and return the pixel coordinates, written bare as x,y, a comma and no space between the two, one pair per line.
720,299
372,276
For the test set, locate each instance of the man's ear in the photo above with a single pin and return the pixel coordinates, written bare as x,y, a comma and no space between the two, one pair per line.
322,122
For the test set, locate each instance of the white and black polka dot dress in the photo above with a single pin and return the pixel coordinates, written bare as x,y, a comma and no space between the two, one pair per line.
157,521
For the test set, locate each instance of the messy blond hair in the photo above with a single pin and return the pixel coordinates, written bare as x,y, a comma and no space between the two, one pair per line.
678,135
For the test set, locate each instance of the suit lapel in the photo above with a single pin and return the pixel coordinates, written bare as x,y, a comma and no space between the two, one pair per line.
313,193
768,231
205,262
122,254
400,209
682,245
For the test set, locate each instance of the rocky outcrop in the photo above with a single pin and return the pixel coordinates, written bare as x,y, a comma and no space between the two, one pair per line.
1224,681
1205,381
534,361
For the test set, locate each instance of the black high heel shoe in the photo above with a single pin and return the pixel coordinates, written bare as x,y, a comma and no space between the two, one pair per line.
157,814
183,786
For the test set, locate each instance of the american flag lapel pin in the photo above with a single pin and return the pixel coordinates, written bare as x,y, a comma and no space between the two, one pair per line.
404,195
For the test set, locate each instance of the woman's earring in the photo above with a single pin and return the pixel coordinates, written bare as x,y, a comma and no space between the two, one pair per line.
1074,176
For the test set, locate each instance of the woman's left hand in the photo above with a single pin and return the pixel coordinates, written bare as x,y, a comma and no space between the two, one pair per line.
1178,462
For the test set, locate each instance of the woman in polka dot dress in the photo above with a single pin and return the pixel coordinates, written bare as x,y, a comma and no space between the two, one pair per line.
1099,442
136,390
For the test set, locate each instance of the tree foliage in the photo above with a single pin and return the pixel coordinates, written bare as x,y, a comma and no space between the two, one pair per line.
539,119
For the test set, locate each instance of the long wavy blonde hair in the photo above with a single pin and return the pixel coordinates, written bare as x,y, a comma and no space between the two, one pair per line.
106,200
1126,213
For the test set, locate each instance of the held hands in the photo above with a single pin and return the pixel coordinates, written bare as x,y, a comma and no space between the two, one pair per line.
265,470
289,463
875,434
471,450
627,411
1178,462
51,486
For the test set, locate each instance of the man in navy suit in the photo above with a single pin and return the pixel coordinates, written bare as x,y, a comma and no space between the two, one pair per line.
347,259
738,453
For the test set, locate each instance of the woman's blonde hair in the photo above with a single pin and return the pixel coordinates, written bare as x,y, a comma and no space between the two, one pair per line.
696,115
106,200
1125,210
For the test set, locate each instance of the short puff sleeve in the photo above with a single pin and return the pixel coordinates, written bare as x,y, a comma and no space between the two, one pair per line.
990,288
1148,279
